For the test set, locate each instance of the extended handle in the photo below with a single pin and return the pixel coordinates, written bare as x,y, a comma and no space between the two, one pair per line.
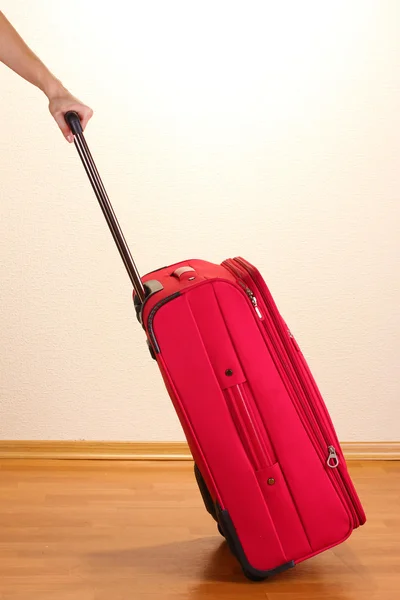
73,121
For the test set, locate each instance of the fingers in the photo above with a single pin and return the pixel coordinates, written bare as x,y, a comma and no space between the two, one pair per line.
65,130
85,115
61,105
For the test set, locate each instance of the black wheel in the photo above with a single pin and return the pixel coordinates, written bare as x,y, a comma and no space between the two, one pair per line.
207,499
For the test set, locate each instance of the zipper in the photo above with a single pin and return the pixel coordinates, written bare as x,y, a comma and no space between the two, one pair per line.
333,460
314,389
342,476
286,338
246,288
322,423
255,442
282,364
316,423
254,302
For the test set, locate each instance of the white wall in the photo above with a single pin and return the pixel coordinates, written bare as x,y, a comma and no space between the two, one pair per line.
265,129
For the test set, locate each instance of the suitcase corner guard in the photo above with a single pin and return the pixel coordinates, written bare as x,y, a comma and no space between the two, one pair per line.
151,287
236,548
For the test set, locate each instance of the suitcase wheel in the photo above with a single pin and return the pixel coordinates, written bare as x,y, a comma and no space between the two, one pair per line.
220,530
205,494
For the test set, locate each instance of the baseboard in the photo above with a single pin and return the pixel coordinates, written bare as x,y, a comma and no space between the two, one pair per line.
371,450
85,450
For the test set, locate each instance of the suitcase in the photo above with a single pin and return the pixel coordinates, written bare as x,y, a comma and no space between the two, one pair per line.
267,459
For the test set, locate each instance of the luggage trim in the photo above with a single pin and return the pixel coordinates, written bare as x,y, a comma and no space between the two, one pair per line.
150,287
236,548
152,314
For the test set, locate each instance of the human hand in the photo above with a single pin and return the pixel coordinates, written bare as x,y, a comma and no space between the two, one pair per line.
60,102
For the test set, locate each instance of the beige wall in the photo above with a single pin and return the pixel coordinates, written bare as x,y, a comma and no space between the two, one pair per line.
264,129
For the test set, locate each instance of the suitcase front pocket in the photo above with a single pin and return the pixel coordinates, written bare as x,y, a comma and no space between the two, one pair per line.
249,426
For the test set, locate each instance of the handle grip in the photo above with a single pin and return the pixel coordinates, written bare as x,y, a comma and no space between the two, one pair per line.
73,121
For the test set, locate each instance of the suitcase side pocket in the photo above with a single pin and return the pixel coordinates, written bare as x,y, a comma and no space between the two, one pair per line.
260,452
249,426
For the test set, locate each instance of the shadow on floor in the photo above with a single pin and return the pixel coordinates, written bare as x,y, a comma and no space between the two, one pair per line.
204,568
207,557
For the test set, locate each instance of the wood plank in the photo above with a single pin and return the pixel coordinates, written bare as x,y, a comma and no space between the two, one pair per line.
101,530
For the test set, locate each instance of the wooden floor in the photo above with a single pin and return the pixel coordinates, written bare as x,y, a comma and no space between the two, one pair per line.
114,530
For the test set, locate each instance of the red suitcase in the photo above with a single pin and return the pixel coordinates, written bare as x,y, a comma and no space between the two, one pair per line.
267,459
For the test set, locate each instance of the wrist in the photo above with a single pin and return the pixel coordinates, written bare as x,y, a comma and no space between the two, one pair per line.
51,86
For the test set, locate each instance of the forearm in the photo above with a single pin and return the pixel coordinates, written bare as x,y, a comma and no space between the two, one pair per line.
15,53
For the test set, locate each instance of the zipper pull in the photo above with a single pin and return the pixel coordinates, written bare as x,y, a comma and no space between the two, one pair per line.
258,311
332,457
254,302
252,298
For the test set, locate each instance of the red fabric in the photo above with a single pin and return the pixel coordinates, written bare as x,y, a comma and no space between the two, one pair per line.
252,413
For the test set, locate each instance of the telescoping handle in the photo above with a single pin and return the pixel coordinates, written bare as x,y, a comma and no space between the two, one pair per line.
74,123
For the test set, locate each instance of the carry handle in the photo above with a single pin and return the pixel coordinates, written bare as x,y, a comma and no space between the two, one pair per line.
73,121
